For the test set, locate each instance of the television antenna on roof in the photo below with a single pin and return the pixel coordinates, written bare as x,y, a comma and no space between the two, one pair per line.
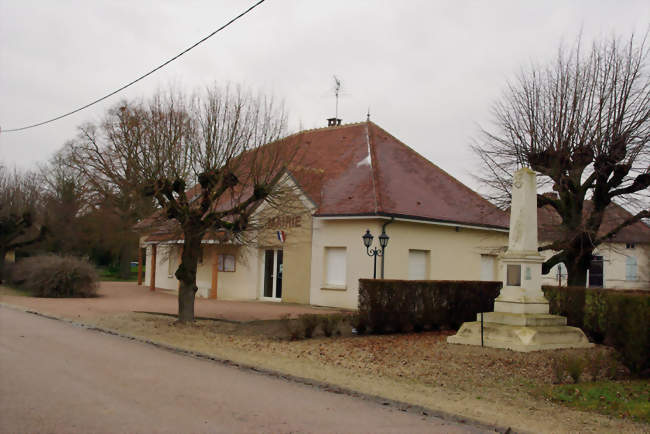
337,89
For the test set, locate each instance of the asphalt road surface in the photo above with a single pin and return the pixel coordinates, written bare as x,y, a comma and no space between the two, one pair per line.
55,378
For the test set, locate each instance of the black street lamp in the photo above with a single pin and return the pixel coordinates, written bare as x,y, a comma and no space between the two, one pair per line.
374,252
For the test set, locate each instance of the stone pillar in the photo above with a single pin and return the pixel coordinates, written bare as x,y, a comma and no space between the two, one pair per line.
521,320
522,263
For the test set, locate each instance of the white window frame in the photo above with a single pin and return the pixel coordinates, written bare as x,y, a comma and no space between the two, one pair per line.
631,261
426,254
340,282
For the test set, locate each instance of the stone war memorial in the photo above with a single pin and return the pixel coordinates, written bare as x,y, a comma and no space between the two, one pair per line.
521,319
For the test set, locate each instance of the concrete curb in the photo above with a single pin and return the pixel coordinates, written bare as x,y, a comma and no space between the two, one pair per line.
327,387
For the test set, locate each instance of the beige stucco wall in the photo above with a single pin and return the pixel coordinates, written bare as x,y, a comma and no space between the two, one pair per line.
296,222
240,284
246,282
614,266
453,255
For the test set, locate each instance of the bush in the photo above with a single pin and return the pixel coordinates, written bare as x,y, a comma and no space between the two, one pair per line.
358,323
55,276
614,317
291,326
404,305
330,324
309,322
575,365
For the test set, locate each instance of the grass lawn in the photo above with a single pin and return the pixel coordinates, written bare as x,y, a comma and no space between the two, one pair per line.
6,290
626,399
107,274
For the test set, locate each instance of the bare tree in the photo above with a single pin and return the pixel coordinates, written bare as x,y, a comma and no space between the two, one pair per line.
118,157
207,162
583,123
19,201
237,159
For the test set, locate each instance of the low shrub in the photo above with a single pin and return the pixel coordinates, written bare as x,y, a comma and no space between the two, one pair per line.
309,322
614,317
358,324
575,366
330,324
405,305
55,276
292,327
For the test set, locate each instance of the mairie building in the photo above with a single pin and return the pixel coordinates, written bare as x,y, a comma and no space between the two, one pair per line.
347,180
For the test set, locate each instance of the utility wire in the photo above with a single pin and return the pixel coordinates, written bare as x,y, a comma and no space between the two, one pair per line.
139,78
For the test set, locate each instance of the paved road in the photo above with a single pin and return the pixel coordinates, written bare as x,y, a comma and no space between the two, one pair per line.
55,377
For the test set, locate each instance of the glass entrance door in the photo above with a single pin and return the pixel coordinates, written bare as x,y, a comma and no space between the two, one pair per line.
273,268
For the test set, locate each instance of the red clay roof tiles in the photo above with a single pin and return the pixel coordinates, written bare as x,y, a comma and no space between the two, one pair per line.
396,180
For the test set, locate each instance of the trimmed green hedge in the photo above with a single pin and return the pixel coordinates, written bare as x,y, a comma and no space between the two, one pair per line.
618,318
404,305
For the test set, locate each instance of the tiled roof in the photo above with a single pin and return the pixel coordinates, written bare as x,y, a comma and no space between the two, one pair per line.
361,170
550,229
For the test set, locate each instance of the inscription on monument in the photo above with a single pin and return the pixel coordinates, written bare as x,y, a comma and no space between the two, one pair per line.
514,275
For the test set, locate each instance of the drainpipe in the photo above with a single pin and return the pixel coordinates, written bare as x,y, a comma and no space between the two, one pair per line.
383,230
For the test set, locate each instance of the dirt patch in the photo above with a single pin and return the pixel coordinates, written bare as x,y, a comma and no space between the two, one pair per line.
498,387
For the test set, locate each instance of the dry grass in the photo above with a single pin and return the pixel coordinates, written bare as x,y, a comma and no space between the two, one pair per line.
500,387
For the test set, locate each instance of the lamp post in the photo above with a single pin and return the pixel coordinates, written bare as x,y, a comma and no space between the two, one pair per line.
374,252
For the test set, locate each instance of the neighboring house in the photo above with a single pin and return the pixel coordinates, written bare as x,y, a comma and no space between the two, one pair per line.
348,179
622,262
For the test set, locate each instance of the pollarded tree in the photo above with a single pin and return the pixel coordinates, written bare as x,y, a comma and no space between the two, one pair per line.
19,199
223,143
582,122
237,159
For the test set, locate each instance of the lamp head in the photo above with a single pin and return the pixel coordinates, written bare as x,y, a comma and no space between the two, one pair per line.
367,239
383,239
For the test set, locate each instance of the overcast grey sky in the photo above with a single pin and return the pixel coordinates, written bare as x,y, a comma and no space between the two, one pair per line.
428,70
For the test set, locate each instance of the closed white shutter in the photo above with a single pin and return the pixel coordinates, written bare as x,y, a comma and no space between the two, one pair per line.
418,265
630,268
487,268
335,262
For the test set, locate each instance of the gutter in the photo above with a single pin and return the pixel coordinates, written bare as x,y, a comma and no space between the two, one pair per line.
413,219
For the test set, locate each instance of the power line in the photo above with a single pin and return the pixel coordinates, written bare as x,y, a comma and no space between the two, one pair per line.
139,78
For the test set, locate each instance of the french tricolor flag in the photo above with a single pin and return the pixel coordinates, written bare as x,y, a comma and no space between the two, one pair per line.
281,236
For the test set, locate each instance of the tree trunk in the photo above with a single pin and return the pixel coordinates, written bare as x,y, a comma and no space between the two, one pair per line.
186,274
577,269
2,264
186,295
125,262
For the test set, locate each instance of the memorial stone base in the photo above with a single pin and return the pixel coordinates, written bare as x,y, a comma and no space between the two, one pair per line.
521,332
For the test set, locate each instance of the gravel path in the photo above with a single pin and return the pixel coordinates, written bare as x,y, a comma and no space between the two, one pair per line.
120,297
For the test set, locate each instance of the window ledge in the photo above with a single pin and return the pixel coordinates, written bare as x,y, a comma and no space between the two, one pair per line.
330,287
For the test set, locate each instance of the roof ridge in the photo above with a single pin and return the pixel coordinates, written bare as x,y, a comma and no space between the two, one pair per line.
337,127
438,167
